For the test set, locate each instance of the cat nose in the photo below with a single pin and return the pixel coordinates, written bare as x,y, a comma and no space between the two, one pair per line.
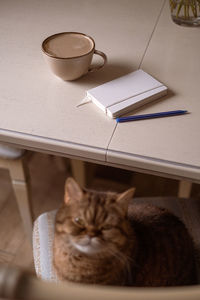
93,232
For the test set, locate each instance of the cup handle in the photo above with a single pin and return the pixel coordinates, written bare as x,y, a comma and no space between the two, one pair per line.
95,68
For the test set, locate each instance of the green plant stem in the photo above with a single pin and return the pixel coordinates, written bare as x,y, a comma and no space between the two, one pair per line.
179,8
194,8
189,7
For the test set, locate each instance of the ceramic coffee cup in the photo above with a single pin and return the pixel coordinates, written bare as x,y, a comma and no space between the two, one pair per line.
69,54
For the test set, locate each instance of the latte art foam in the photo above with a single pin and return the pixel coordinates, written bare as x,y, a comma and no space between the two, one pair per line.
66,45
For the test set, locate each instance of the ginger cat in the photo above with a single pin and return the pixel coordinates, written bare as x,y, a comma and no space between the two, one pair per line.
100,238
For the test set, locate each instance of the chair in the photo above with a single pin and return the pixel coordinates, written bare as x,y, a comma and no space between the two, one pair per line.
14,160
43,232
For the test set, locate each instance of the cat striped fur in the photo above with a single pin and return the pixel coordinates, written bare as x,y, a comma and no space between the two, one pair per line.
100,238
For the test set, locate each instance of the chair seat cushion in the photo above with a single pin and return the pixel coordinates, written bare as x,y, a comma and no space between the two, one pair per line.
43,235
10,152
43,232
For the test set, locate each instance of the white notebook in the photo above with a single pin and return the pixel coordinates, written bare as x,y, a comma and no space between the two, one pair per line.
126,93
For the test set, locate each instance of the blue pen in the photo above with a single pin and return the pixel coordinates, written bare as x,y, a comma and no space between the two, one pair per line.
151,116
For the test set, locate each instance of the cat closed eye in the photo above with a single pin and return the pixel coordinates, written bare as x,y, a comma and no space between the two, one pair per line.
78,221
107,227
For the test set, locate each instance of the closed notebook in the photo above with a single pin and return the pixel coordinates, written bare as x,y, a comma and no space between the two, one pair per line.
126,93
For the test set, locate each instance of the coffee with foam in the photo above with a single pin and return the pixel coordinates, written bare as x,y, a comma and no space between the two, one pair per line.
69,54
68,45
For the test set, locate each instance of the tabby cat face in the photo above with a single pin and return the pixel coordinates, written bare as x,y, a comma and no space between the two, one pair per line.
94,222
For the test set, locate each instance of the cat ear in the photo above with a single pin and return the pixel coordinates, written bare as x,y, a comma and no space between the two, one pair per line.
72,191
124,198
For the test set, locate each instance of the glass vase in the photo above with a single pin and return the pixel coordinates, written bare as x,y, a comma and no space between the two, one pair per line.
185,12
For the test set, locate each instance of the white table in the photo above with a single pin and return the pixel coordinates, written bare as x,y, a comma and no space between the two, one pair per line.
38,111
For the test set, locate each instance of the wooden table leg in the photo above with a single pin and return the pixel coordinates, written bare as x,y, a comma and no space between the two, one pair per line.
184,189
20,183
78,171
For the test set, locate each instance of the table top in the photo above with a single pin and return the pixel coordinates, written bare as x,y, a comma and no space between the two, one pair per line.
38,110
